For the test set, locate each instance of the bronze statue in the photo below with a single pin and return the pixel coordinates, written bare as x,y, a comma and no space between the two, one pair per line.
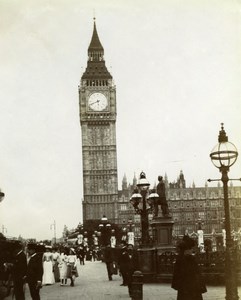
162,199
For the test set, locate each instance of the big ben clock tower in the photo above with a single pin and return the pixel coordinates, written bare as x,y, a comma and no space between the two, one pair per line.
97,100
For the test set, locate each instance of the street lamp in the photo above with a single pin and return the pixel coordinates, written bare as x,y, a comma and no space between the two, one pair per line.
223,232
152,200
112,239
53,226
104,227
200,234
130,232
223,156
139,202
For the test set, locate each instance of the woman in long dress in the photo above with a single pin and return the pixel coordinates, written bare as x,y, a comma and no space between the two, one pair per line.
48,275
63,258
72,266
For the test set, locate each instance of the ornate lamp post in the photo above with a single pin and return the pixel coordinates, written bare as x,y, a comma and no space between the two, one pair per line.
104,227
80,229
53,226
130,233
200,235
112,239
139,202
223,156
223,233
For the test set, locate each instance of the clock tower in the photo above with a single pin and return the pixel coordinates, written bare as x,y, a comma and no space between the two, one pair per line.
97,101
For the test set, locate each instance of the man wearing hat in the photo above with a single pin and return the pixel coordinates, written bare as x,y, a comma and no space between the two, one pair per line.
34,272
19,271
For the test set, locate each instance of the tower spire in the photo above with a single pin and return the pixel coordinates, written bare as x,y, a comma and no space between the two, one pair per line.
95,50
96,68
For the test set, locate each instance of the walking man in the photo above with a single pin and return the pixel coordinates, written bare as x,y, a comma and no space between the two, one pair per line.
108,258
34,271
129,261
19,271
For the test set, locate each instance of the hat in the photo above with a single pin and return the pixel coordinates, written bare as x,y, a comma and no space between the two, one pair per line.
188,243
40,248
32,246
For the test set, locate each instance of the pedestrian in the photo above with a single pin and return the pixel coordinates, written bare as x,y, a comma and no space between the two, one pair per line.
121,263
95,254
81,252
129,261
56,257
108,259
19,271
63,267
187,279
72,266
48,275
34,271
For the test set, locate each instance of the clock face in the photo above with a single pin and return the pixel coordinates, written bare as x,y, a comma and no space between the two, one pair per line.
97,101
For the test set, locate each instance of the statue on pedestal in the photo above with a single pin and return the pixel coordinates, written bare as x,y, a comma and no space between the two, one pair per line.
161,191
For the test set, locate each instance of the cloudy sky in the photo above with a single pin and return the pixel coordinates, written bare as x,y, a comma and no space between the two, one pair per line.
177,70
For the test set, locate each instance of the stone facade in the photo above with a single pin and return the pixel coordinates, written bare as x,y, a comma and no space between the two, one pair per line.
190,207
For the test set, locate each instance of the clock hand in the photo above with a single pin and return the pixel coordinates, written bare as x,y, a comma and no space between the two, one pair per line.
97,101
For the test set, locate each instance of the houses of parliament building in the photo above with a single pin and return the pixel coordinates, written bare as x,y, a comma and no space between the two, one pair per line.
190,207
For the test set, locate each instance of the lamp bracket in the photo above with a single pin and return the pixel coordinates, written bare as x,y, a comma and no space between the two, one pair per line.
210,180
232,179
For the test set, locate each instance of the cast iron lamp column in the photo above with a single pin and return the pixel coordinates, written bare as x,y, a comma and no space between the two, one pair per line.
141,194
223,156
53,226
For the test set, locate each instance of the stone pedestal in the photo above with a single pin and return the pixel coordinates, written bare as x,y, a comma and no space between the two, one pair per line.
147,263
162,231
165,251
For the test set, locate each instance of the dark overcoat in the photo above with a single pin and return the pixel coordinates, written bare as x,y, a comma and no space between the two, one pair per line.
187,279
19,266
34,269
129,265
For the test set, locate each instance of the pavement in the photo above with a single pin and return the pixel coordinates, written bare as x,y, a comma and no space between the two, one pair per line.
93,284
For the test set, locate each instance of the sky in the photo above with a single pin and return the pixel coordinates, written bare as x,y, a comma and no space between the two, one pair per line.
177,69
